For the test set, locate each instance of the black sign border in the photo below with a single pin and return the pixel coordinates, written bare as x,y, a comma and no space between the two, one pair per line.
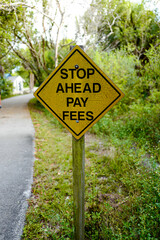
119,94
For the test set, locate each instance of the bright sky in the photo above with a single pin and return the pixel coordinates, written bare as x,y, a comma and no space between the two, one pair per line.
152,4
75,10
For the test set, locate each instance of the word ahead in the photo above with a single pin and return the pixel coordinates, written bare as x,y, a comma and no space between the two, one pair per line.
78,88
78,93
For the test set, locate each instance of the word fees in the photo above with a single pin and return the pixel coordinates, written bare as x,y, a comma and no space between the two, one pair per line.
78,93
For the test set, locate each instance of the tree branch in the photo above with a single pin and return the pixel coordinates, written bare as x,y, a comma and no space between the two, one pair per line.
12,6
58,32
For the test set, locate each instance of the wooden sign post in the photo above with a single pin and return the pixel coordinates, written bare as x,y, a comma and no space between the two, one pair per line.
78,93
78,157
78,154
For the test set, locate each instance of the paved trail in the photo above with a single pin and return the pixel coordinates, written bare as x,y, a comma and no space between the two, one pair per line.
16,164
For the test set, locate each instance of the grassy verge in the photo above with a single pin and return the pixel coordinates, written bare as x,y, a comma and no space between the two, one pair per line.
122,186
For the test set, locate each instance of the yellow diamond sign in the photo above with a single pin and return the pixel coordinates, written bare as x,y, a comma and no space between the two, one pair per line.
78,93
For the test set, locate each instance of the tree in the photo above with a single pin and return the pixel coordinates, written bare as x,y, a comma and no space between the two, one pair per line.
116,24
32,43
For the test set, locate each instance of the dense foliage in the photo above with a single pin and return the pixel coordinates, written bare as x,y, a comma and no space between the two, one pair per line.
132,32
115,24
6,88
138,114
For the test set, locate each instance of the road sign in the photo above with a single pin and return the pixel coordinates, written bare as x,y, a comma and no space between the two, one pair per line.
78,93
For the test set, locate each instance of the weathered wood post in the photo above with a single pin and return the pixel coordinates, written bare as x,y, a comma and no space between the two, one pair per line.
78,156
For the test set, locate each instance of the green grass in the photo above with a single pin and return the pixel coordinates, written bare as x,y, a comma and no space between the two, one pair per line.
122,198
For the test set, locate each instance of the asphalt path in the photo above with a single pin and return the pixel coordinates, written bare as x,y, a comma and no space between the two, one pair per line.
16,165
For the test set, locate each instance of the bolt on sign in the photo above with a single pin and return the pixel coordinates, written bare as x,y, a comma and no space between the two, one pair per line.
78,93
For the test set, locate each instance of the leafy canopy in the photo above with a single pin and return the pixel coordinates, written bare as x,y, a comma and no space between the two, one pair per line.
115,24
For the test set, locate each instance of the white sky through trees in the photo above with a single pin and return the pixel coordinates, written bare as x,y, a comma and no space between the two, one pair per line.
75,9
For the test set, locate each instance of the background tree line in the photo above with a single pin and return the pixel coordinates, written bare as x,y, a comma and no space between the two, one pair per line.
30,32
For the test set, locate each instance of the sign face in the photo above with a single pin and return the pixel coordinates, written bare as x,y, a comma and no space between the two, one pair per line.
78,93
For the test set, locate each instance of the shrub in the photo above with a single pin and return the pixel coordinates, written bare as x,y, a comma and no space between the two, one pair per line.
6,87
137,114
